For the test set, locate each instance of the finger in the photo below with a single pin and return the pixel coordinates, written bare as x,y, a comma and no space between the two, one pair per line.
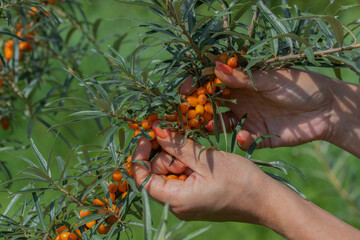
245,139
172,143
230,121
186,87
236,78
157,186
164,163
142,153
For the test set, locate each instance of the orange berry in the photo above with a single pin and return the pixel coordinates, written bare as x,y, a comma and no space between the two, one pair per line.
210,88
117,176
122,186
226,92
223,57
134,126
9,44
113,196
232,62
112,188
187,127
200,109
183,177
154,144
57,237
202,99
217,81
98,202
124,194
136,132
201,119
51,2
191,114
194,123
201,90
90,224
102,229
192,101
25,46
30,35
208,108
18,26
152,117
129,158
207,116
171,118
19,33
64,236
146,124
61,229
84,213
34,11
172,176
73,236
152,134
8,53
184,107
183,118
5,123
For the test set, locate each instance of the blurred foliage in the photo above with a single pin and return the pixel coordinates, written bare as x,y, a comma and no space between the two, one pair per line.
331,172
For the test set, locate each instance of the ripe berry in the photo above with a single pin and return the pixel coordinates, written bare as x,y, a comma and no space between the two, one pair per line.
102,229
232,62
9,44
184,107
226,92
200,109
8,53
192,101
84,213
208,108
117,176
152,134
194,123
171,118
201,90
202,99
134,126
183,177
152,117
191,114
207,116
98,202
136,132
122,186
210,88
217,81
90,224
112,188
62,228
172,176
64,236
146,124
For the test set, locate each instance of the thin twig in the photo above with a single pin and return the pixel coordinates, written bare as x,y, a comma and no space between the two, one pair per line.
303,55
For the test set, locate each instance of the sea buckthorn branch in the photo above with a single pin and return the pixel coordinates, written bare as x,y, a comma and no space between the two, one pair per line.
303,55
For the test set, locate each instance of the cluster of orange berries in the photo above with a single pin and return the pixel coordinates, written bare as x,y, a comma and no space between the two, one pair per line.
117,190
181,177
23,45
146,124
197,109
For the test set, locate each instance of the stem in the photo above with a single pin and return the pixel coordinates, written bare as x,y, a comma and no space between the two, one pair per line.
303,55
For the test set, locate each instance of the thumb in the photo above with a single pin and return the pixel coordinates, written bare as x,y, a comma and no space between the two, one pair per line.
236,78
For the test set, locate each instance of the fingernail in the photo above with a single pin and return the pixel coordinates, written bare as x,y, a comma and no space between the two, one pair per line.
224,68
163,133
210,126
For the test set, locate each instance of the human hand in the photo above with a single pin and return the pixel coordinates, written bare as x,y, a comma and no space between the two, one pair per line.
220,186
294,104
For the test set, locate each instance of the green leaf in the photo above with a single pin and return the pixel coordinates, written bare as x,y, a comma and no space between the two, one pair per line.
39,212
256,143
274,21
283,180
147,216
196,233
96,26
310,56
41,159
161,232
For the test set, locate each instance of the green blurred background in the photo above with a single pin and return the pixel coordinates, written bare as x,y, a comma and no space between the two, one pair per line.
331,172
